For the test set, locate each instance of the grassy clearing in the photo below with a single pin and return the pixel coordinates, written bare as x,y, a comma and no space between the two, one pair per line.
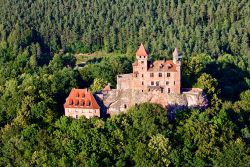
83,57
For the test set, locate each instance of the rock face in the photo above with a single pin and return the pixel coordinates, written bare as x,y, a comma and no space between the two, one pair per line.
117,101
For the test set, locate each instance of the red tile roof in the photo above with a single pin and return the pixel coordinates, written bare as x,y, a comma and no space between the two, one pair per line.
162,65
81,98
141,51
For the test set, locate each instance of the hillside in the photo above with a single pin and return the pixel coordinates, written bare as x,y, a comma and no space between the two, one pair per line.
41,41
212,27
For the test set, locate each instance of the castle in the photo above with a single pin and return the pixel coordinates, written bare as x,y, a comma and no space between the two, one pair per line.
156,75
151,81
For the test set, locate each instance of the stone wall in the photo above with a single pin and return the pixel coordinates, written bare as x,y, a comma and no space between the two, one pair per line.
117,101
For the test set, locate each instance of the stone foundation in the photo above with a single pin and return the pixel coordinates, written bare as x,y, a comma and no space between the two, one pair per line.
118,101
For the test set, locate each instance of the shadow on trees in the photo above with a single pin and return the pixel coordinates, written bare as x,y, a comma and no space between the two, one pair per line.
231,79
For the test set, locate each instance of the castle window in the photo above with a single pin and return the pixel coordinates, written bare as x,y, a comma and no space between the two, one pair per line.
142,83
167,82
142,75
174,82
136,75
168,74
141,90
125,106
140,56
161,90
151,74
160,74
152,83
168,90
157,83
142,62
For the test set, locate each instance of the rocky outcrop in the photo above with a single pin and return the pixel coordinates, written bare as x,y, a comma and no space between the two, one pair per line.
117,101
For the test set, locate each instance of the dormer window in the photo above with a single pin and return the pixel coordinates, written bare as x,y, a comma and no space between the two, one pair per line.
88,103
169,66
161,66
70,102
77,94
83,95
82,103
76,102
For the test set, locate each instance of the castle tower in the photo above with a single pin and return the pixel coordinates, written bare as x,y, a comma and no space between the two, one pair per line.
140,69
142,58
177,61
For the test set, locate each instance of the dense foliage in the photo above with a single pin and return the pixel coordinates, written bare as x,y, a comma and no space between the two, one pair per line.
208,26
36,76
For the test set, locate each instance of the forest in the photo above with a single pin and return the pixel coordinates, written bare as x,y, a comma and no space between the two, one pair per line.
38,43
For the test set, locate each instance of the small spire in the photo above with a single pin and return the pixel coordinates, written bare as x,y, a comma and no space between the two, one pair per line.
141,51
176,52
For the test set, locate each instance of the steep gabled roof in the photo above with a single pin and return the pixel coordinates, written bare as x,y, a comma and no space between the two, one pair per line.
81,98
162,66
141,51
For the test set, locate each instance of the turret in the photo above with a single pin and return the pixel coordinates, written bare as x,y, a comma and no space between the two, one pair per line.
177,56
142,57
